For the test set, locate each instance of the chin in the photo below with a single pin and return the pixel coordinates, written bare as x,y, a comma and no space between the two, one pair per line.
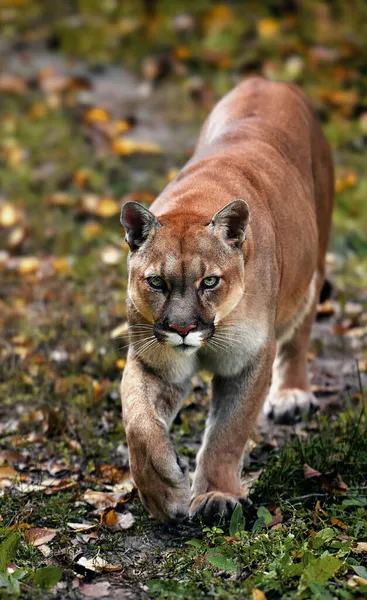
186,349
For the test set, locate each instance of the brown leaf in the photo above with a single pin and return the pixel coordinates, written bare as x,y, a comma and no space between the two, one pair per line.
116,521
309,472
359,547
97,563
8,473
112,474
338,523
54,486
39,535
315,511
333,483
102,499
10,84
277,518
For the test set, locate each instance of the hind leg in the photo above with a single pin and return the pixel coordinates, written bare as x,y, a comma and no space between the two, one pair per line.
290,395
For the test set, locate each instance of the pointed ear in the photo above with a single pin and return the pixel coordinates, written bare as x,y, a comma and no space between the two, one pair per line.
231,222
138,222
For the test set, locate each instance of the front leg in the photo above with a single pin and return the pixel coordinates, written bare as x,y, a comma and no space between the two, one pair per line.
149,405
235,406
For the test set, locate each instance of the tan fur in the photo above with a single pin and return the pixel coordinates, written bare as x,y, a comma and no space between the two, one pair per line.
262,145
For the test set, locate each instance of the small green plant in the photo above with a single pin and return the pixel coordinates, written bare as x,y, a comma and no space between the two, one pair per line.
13,579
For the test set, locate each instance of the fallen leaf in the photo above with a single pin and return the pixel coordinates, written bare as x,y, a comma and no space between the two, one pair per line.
127,147
338,523
333,483
116,521
107,207
267,28
102,499
359,547
111,255
44,549
37,536
95,590
309,472
61,199
96,115
10,84
54,486
9,215
258,594
315,511
28,265
97,563
8,473
81,526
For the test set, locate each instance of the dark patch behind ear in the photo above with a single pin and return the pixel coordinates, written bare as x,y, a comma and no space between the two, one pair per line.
231,222
138,222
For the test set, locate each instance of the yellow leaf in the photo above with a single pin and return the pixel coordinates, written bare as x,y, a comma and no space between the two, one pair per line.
121,127
258,595
91,230
96,114
107,207
16,237
8,215
267,28
61,264
120,363
218,18
127,147
171,174
28,265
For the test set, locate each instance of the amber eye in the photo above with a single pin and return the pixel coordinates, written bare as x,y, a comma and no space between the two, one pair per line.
210,282
157,283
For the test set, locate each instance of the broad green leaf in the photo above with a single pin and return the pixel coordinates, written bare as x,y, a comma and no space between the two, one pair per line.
47,577
319,570
8,549
194,542
358,501
320,592
263,513
361,571
221,562
237,522
323,537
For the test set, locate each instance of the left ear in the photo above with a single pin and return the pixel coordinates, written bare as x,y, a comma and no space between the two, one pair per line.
231,222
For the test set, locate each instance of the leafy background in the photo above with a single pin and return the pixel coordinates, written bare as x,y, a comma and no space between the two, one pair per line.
101,102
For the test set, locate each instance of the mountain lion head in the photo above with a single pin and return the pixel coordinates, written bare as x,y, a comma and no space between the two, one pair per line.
184,279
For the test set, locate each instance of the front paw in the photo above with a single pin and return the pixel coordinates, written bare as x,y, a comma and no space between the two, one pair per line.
216,505
290,405
163,486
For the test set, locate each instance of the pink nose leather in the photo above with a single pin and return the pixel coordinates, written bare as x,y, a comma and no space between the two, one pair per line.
182,330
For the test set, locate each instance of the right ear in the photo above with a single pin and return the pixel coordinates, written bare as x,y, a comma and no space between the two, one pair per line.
138,222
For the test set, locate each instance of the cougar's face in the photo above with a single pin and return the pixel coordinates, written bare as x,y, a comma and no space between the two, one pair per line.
184,283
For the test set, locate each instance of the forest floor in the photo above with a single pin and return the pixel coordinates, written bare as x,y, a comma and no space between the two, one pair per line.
78,138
